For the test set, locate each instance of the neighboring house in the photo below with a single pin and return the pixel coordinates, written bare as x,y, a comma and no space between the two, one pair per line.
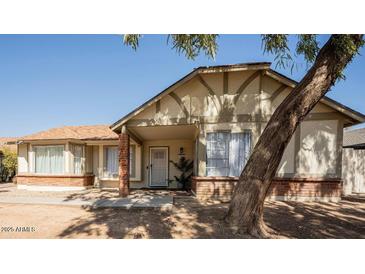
214,116
353,169
6,143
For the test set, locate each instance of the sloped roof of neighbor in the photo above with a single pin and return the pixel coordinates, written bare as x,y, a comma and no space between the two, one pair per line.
7,140
354,138
96,132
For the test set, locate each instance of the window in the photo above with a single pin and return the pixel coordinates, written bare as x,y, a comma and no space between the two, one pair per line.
49,159
218,154
227,153
111,162
79,159
132,161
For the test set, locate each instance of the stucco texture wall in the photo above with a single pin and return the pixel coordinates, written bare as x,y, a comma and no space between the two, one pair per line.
245,100
353,171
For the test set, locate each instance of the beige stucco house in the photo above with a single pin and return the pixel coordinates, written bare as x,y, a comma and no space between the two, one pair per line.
69,157
214,116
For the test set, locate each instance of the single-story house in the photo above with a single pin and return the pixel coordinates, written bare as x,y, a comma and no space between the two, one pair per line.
69,157
353,167
213,116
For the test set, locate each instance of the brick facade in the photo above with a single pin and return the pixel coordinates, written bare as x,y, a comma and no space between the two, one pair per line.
216,188
124,164
55,180
300,189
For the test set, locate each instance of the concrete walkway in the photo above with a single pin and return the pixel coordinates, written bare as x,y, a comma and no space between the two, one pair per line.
163,202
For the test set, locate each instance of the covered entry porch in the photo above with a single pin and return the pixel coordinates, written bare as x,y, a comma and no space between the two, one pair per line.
148,164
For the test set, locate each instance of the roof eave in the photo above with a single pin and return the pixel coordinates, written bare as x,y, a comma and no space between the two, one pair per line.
355,146
67,139
356,116
58,139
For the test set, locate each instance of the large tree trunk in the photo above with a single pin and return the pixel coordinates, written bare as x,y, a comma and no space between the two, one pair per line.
246,207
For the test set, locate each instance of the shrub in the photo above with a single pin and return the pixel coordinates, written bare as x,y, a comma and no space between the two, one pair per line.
186,168
8,164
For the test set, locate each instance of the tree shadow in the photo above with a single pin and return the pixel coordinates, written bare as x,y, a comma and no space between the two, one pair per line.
316,220
119,223
187,219
192,219
99,194
92,194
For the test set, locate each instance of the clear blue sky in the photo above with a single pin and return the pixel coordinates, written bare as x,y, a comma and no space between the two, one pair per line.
53,80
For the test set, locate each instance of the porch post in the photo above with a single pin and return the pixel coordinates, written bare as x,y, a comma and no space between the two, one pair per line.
123,163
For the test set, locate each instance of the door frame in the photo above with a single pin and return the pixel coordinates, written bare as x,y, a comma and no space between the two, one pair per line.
167,165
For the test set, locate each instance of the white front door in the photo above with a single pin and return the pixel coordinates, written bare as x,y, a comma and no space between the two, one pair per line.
159,164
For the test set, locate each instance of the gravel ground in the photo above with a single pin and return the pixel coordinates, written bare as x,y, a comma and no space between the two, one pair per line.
187,219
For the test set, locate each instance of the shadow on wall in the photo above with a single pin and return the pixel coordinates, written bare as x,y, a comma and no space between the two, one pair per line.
317,154
353,170
226,112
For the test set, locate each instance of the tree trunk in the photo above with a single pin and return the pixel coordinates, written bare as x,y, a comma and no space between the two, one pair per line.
246,208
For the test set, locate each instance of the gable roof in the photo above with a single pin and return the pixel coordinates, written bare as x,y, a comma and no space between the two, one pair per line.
355,116
186,78
354,138
96,132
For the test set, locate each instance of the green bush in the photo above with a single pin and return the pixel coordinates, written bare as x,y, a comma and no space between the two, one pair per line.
8,164
186,168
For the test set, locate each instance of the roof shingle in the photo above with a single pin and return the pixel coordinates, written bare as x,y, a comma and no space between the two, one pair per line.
6,140
96,132
354,138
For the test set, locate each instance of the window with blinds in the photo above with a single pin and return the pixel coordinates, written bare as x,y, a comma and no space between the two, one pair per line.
227,153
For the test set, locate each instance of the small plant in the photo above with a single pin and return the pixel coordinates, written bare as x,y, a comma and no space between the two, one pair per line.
8,164
186,168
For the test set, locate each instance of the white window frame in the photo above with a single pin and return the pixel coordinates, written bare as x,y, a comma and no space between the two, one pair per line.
34,150
136,175
223,159
229,133
106,174
83,159
132,161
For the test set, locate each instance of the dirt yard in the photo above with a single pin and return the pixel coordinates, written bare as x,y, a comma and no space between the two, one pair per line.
187,219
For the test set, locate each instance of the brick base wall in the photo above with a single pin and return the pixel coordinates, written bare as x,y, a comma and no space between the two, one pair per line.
56,180
221,188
